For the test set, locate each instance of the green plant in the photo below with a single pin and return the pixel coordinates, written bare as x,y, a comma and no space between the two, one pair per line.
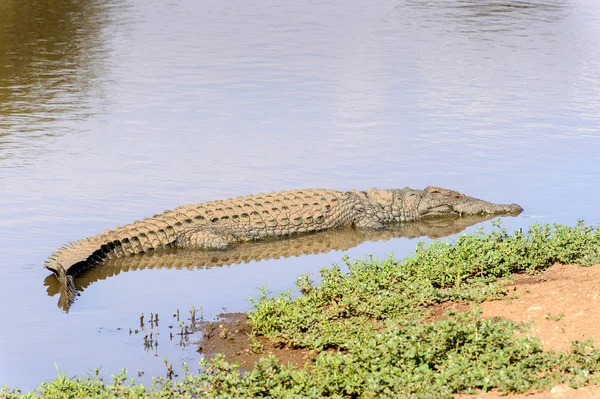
373,320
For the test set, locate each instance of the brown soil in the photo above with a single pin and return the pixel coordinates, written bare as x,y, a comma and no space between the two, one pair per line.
563,304
230,335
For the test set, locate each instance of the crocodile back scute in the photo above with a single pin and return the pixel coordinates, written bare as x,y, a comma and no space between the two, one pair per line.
274,214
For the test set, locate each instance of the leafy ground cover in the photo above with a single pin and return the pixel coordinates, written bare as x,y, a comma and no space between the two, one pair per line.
374,334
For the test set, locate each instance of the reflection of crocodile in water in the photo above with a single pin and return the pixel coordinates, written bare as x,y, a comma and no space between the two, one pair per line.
339,239
220,225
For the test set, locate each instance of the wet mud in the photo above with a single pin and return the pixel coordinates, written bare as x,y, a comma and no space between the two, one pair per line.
231,335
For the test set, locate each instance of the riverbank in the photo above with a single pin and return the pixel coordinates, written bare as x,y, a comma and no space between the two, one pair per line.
383,329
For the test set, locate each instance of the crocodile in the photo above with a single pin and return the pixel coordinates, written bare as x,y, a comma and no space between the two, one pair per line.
219,225
341,239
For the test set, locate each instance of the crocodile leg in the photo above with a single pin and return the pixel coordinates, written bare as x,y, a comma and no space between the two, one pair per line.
206,238
369,223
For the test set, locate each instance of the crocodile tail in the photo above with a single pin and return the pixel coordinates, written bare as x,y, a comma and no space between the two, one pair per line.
70,257
67,285
67,261
137,237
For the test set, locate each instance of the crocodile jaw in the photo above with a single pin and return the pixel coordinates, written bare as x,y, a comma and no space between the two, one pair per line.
439,201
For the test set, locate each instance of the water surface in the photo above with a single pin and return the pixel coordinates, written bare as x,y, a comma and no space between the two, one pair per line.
115,110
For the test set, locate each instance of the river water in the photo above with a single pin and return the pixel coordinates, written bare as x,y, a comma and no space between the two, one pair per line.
114,110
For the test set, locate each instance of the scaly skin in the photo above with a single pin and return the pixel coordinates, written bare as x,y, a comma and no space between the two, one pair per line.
220,224
337,239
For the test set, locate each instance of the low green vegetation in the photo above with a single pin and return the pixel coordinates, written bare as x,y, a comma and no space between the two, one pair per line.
347,307
376,336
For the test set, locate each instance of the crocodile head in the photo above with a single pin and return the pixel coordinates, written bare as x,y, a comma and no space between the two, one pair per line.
437,201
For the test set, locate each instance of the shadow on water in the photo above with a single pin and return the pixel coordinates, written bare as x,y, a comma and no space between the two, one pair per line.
51,53
487,8
317,243
470,16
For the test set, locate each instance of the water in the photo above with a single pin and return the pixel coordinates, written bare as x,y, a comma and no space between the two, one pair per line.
114,110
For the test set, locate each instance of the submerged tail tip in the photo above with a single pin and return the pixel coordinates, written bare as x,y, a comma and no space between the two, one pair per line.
66,281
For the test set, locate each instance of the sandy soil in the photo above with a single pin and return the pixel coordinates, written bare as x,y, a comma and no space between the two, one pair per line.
563,303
